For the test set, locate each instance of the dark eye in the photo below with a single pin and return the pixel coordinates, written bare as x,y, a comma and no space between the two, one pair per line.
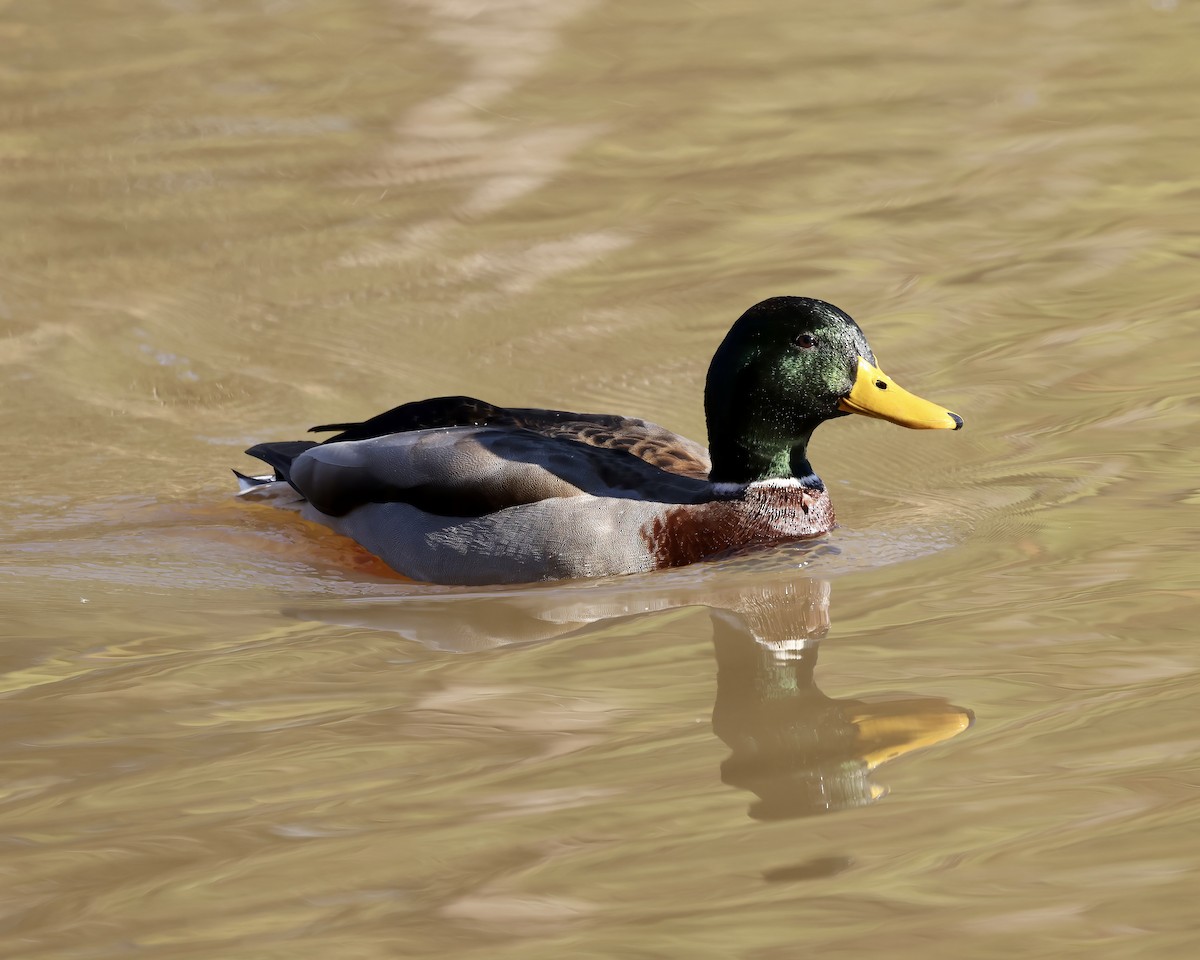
806,341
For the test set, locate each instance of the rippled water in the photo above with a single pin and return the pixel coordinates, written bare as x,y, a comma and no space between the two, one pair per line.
227,734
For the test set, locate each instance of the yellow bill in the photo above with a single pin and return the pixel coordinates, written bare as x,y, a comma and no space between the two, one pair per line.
875,394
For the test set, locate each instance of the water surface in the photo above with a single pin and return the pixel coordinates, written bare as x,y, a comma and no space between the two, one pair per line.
967,722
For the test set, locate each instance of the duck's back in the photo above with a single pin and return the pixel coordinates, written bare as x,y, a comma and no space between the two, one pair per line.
648,441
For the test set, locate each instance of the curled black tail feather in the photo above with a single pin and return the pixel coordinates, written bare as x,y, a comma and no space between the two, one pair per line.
279,455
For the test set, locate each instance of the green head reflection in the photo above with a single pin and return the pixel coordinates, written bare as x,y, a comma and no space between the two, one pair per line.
801,752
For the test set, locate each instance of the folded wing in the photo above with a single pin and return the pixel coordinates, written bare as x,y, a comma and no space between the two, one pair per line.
469,471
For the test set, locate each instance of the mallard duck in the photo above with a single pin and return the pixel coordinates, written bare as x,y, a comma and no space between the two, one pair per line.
457,491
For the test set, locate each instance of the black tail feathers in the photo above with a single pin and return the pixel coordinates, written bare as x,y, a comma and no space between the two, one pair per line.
279,455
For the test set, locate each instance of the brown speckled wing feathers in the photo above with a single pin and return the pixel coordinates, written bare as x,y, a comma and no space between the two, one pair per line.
647,441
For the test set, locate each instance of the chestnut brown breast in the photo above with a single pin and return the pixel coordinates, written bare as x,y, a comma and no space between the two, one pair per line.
763,515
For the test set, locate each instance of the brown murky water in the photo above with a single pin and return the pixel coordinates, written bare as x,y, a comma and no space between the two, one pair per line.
227,736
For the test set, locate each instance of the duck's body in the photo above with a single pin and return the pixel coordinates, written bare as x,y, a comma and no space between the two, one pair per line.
455,490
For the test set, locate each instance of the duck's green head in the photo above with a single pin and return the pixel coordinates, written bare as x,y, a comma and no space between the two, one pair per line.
788,364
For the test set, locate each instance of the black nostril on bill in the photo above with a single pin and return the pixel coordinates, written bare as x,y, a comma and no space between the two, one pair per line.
881,384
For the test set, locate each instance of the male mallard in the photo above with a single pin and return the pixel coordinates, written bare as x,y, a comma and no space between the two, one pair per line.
455,490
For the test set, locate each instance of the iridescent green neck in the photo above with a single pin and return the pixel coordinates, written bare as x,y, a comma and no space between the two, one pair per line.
743,457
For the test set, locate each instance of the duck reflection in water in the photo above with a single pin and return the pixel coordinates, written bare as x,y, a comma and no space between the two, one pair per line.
800,751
